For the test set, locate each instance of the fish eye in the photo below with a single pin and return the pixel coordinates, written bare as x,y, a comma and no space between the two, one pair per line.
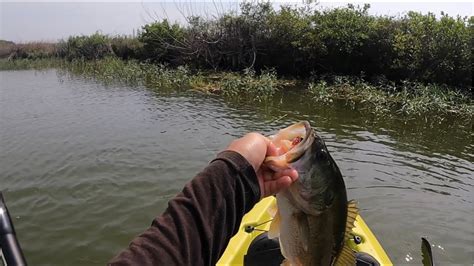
322,155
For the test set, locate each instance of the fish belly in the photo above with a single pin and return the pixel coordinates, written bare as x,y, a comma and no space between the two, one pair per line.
304,239
292,242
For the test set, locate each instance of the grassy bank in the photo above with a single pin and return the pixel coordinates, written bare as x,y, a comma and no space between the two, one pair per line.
407,98
25,64
384,98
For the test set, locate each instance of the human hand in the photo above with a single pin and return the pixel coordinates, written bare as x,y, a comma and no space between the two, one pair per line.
255,147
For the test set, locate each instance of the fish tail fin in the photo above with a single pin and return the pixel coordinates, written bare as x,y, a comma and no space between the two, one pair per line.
427,259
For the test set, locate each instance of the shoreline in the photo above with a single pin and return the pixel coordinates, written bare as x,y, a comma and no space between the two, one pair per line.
405,99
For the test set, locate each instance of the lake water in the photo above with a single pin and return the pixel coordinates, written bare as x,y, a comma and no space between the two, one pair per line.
85,167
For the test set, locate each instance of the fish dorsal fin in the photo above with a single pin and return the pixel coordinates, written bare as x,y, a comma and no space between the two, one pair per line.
274,230
352,212
346,257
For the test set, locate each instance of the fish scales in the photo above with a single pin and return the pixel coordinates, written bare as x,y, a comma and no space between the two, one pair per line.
313,210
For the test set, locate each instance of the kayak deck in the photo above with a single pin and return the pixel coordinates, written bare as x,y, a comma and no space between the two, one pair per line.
258,220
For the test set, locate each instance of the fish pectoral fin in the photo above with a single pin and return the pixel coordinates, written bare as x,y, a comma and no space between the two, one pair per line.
352,212
282,249
302,221
274,230
272,210
285,262
345,257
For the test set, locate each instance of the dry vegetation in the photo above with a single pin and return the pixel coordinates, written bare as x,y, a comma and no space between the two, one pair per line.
30,50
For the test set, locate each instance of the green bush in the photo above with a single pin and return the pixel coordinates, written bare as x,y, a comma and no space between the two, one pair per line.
98,46
93,47
127,47
432,50
163,42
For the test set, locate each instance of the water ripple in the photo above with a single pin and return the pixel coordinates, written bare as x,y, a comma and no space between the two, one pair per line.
86,167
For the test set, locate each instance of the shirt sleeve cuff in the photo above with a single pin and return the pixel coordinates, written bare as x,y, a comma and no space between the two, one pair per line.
240,164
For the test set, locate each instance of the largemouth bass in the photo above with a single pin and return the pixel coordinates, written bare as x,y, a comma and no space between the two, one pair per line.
314,218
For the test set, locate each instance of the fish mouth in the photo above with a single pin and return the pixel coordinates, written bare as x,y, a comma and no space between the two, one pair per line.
305,144
292,142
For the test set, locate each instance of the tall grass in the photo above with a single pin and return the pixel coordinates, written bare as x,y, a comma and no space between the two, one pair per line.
6,48
407,98
30,50
114,70
24,64
249,85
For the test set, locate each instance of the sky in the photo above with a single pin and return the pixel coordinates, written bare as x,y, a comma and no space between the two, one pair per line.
51,21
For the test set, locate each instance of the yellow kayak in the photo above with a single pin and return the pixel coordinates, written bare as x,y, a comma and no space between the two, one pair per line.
257,220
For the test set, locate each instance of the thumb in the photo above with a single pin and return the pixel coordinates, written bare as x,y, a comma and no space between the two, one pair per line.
272,150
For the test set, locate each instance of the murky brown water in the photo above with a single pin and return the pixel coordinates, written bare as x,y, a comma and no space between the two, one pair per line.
85,167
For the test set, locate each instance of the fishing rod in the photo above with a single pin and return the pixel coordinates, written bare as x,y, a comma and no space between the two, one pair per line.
10,249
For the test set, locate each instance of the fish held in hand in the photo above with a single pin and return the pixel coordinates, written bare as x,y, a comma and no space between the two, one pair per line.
314,218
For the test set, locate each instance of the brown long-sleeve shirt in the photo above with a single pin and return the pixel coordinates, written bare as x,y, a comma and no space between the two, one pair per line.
199,222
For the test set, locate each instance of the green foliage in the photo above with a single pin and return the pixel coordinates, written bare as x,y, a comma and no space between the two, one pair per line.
338,38
127,47
385,97
407,98
162,41
288,48
113,70
249,85
98,46
93,47
304,40
320,91
300,41
428,49
161,77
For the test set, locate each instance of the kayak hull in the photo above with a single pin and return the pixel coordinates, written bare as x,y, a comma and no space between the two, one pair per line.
258,220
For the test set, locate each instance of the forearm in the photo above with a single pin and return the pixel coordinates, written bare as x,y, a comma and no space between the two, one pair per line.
199,221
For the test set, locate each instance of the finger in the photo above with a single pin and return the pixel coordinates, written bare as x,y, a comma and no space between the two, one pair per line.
272,150
275,186
267,175
292,173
